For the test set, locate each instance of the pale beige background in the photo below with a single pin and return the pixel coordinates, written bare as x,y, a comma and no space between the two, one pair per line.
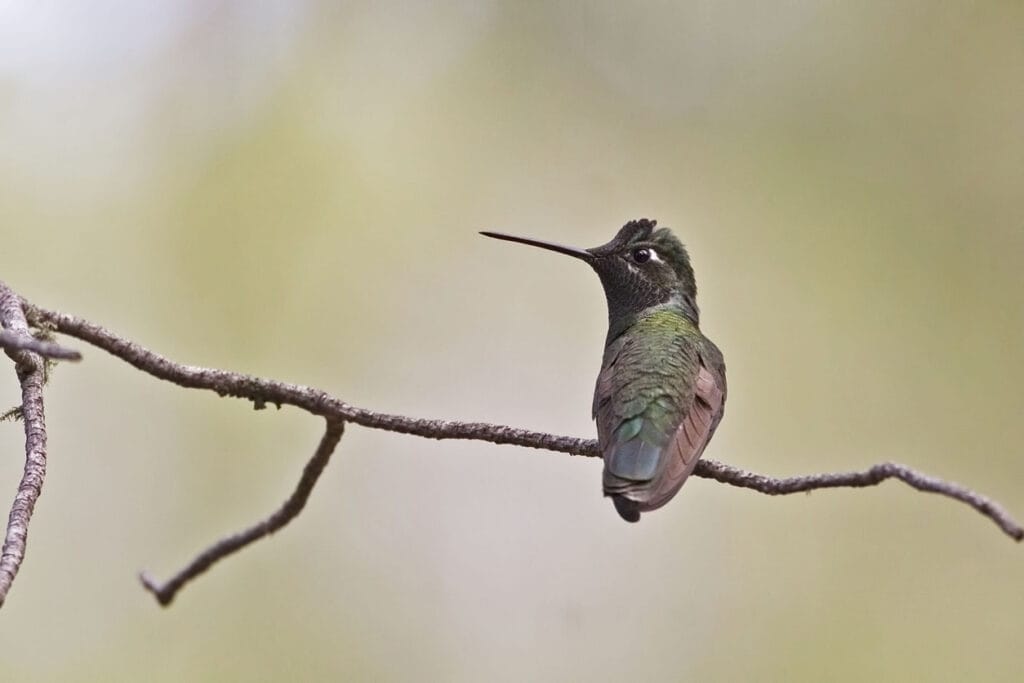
294,191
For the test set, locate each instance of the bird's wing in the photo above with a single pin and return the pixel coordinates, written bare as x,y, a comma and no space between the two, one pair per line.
643,390
690,438
603,411
655,419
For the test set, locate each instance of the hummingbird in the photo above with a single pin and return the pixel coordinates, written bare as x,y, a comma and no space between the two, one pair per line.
661,390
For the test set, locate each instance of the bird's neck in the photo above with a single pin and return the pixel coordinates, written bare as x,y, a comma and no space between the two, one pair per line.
620,319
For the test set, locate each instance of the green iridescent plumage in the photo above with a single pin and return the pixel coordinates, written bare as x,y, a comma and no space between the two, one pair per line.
639,399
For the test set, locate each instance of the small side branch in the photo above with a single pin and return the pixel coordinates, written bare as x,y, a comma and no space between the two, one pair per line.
14,341
165,592
31,375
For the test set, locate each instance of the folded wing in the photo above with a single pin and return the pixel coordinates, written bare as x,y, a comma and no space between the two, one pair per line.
656,408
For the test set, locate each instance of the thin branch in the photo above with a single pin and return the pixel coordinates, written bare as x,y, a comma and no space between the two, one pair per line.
872,476
30,369
13,341
263,391
316,401
165,592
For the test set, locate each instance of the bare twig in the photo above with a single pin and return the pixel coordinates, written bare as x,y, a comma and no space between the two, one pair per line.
316,401
13,341
30,370
263,391
165,592
872,476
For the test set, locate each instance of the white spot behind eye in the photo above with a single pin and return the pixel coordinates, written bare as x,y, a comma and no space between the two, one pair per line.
654,255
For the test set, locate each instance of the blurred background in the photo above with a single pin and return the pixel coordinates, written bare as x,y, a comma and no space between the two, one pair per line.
293,190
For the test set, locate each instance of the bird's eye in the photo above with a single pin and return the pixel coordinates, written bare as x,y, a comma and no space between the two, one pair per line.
641,255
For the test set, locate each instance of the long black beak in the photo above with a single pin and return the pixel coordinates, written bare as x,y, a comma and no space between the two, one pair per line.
551,246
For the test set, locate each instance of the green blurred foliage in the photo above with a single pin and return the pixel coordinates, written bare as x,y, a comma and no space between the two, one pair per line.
293,190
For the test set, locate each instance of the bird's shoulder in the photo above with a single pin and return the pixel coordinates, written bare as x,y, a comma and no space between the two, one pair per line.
654,361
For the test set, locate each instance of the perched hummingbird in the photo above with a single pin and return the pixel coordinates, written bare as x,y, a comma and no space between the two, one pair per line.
661,390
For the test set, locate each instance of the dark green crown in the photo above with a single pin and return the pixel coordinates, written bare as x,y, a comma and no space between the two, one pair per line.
642,232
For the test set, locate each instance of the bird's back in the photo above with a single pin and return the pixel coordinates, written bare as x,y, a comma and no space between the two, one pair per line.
659,397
